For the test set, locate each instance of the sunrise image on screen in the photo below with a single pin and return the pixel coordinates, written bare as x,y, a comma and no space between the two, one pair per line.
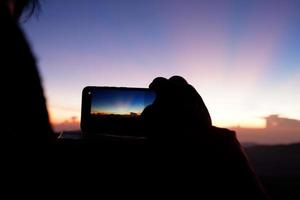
120,102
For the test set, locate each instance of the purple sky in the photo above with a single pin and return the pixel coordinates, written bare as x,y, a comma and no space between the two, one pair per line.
243,57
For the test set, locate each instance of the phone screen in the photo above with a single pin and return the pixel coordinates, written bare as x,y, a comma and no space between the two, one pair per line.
112,110
120,102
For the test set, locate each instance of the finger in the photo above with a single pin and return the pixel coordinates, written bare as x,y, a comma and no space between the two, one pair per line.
178,80
159,84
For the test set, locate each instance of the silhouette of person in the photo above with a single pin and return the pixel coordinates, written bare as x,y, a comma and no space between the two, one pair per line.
185,144
188,147
24,113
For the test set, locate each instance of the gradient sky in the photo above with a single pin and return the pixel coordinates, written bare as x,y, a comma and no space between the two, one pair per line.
120,101
243,57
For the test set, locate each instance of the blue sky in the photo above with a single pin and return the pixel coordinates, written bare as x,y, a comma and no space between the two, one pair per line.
120,101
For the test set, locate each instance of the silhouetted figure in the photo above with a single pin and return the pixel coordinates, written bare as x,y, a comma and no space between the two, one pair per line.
192,155
185,153
24,113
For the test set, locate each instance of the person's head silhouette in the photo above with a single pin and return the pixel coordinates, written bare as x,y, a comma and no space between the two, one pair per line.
24,107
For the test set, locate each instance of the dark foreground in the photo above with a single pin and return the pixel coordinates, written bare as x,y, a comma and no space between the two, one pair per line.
279,169
74,159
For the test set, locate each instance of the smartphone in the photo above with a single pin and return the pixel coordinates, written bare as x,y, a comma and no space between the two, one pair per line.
114,110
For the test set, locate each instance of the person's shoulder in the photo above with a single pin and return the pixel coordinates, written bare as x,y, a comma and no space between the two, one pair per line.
224,133
226,140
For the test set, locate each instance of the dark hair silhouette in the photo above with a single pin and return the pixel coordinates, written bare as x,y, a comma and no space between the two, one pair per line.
24,107
30,7
27,8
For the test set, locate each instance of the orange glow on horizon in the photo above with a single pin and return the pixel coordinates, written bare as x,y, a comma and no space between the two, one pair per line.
60,116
